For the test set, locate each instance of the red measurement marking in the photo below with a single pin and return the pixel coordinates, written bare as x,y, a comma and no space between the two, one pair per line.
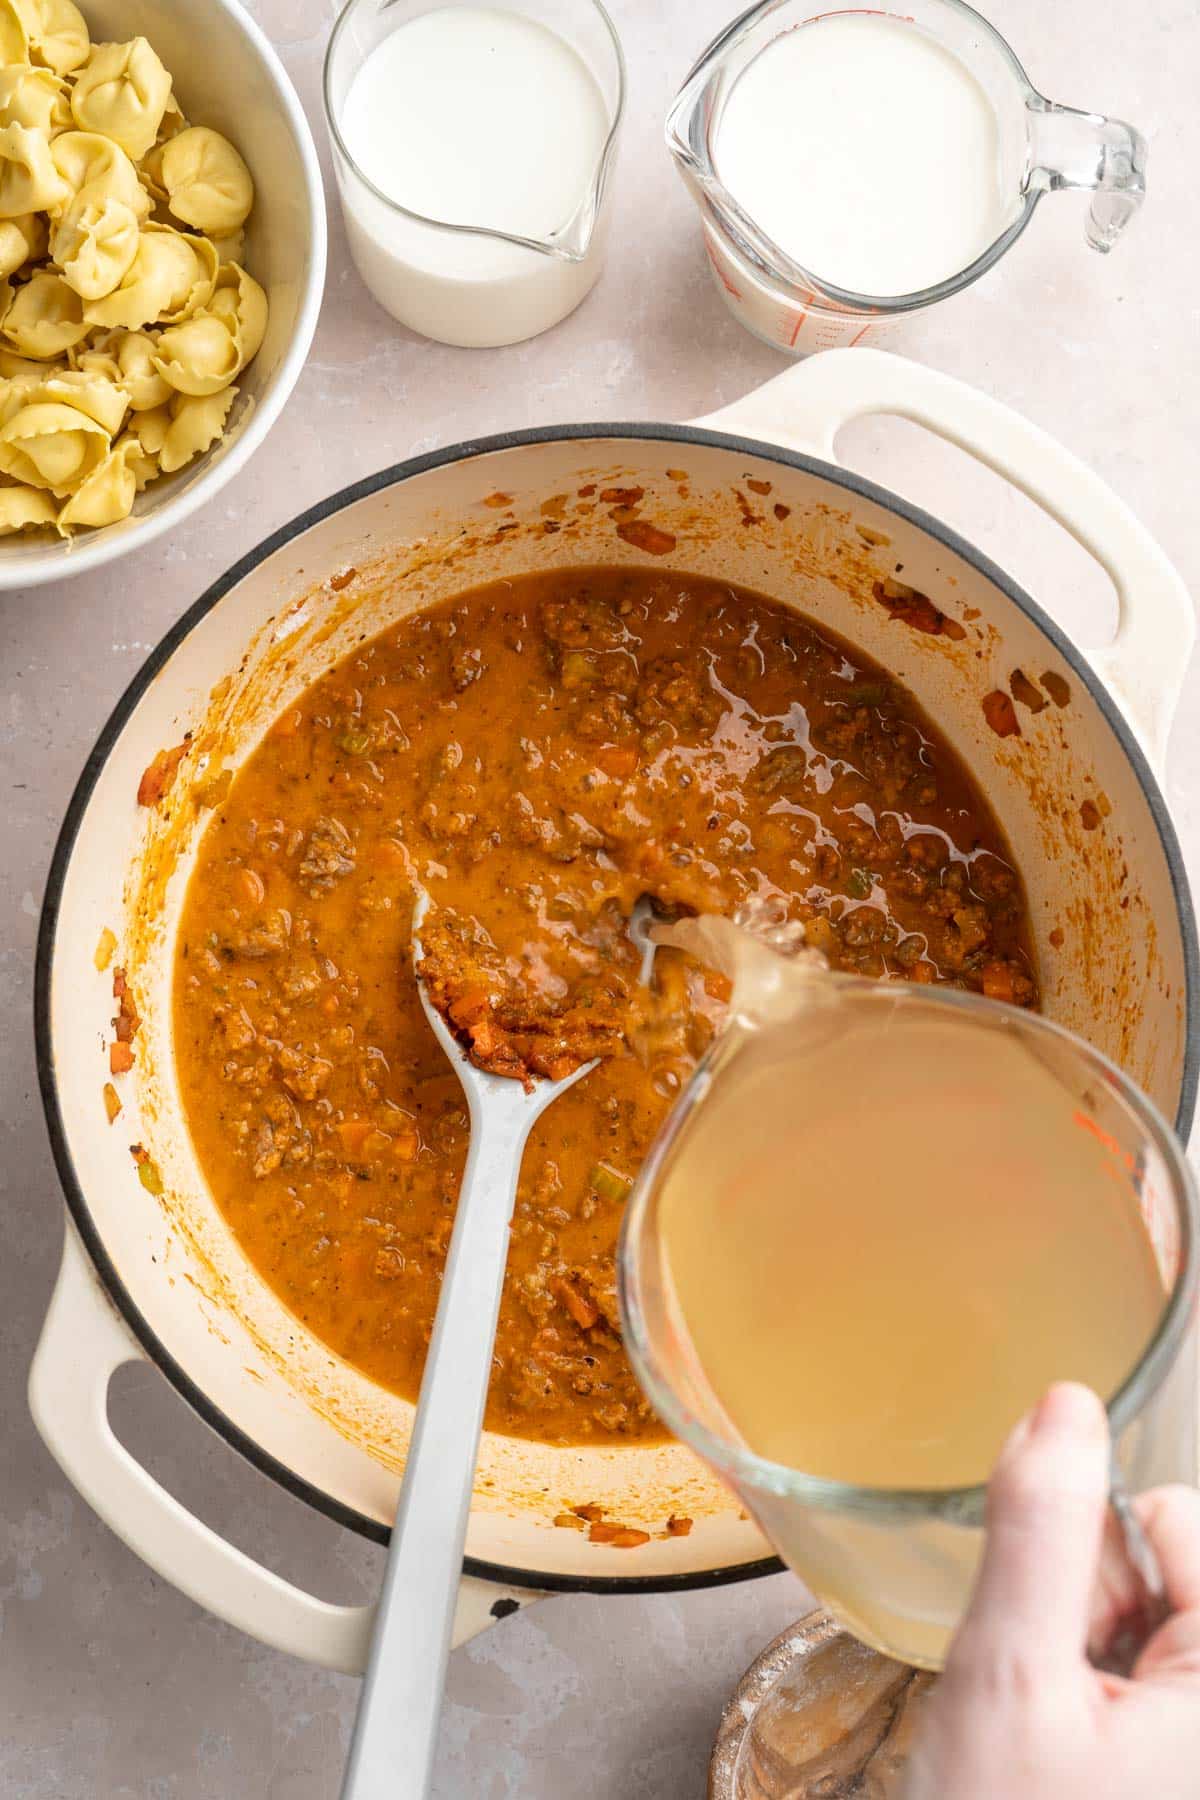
1086,1123
721,275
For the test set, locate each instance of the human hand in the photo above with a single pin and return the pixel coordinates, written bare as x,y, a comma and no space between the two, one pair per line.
1020,1713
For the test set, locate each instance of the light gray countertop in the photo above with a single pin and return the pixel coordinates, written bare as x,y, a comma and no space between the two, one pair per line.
111,1684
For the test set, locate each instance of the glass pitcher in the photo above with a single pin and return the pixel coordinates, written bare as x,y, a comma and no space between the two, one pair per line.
457,281
896,1566
1042,147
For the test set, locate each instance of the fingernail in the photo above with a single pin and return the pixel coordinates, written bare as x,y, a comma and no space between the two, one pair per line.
1068,1410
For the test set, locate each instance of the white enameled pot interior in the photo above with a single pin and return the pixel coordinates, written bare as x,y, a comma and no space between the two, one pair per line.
1105,914
226,75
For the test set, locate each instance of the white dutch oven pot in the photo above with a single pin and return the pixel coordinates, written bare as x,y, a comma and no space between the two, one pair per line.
164,1279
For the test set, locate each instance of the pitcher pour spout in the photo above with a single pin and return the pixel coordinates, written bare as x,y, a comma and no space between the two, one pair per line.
574,241
1073,149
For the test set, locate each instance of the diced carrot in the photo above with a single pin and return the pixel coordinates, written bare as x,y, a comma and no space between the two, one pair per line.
569,1522
483,1037
581,1309
471,1007
354,1134
405,1145
376,1142
620,761
251,887
678,1527
1001,714
557,1068
618,1537
645,536
160,773
120,1058
997,981
591,1512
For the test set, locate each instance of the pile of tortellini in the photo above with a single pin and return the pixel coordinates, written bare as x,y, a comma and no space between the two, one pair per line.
125,313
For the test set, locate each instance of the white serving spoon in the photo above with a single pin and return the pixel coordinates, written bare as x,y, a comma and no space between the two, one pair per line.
395,1733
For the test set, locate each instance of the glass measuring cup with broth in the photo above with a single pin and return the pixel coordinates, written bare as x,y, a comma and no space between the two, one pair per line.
880,1222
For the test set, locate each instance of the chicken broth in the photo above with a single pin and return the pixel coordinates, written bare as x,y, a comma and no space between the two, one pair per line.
539,753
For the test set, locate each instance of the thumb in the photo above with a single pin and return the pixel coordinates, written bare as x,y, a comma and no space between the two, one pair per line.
1046,1508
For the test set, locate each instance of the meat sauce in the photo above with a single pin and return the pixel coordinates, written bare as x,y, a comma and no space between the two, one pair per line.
538,754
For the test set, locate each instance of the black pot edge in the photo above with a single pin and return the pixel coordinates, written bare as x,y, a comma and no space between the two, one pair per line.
390,477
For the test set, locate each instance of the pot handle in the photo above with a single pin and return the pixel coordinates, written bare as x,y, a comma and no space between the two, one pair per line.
84,1342
805,407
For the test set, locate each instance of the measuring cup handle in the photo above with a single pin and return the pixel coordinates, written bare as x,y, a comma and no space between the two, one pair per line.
1070,149
805,408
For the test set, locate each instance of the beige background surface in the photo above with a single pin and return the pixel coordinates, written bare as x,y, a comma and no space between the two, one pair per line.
111,1684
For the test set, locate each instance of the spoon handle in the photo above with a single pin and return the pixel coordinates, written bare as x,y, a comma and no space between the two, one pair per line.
395,1734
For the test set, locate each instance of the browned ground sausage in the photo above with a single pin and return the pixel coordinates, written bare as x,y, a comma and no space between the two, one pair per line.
539,754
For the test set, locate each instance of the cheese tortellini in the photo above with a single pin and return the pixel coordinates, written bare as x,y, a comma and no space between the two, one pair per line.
84,159
108,492
94,244
29,181
122,92
48,444
33,97
22,240
170,276
56,33
206,182
126,312
44,318
14,39
22,506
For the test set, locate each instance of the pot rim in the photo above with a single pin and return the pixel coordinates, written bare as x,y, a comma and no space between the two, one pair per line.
184,1384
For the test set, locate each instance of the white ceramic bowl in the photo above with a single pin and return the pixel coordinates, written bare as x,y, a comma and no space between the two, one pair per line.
226,75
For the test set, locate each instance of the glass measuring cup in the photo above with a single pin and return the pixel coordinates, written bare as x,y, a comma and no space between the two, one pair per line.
461,281
895,1566
1042,147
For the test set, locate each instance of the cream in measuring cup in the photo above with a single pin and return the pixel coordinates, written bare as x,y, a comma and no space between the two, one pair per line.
472,148
855,164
